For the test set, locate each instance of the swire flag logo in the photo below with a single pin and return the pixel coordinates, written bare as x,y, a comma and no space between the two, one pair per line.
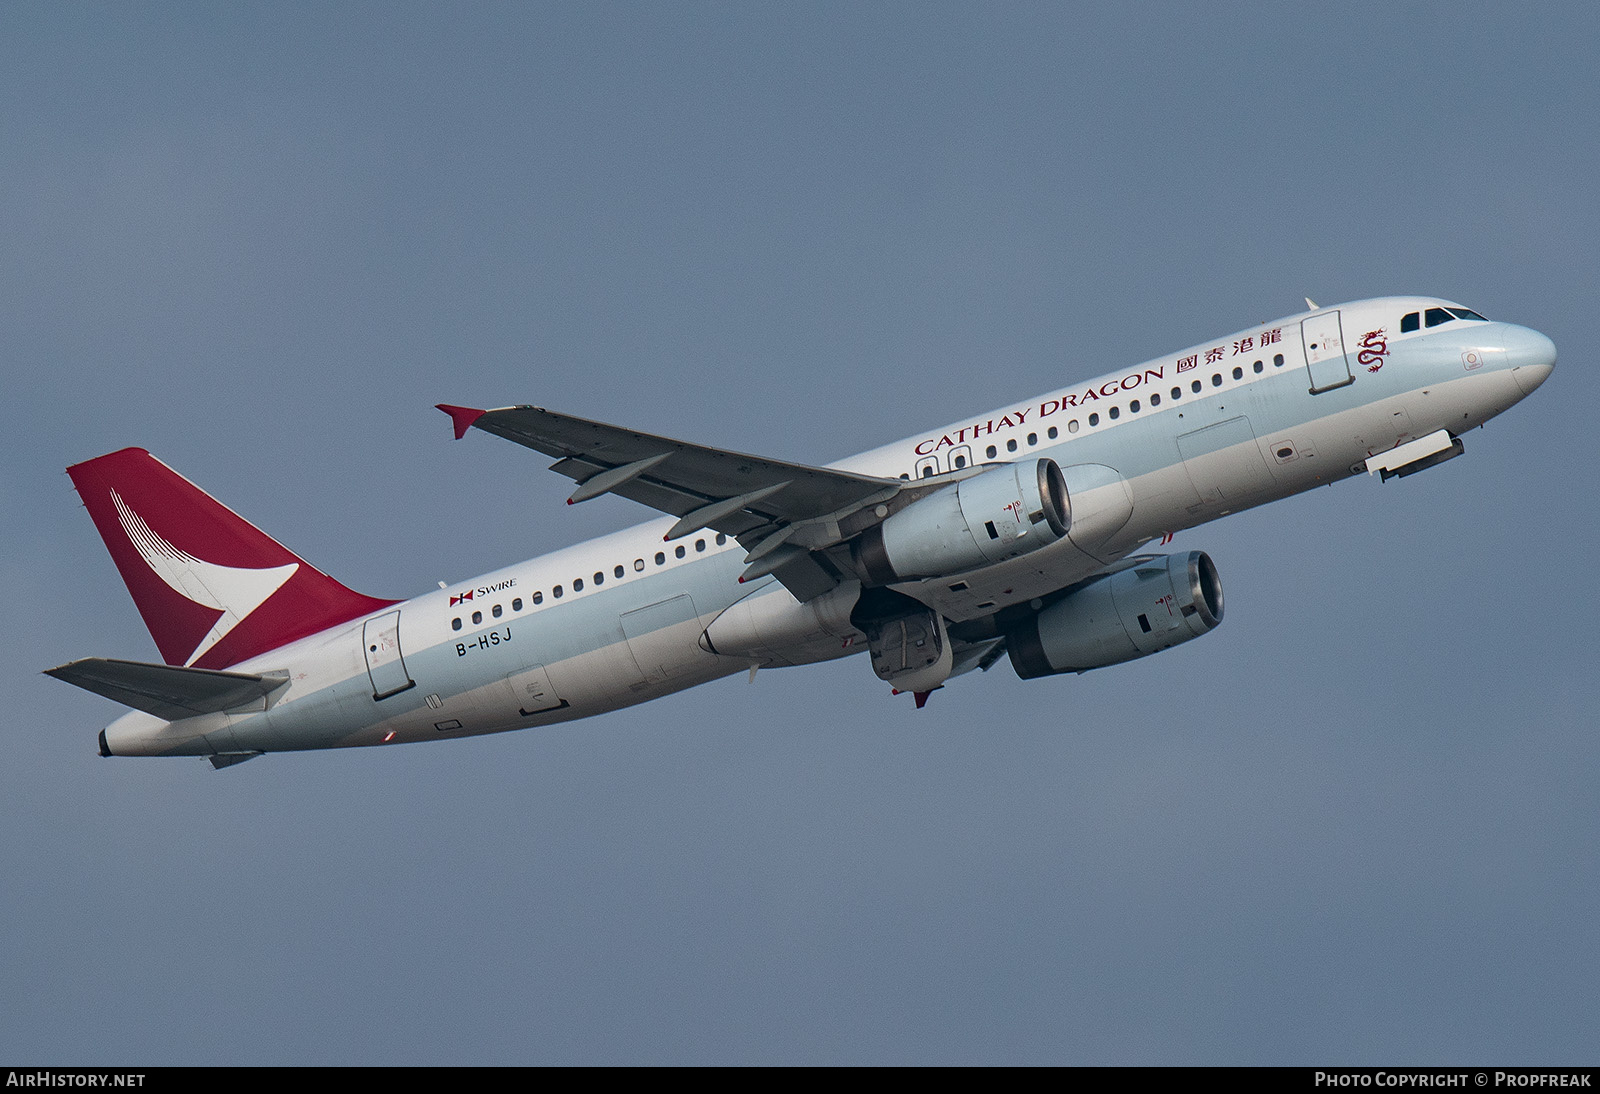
461,598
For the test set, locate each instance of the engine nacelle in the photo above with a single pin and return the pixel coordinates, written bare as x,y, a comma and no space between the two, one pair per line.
1147,607
771,627
998,514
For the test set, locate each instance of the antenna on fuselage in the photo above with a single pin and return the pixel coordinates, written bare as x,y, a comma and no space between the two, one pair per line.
1310,303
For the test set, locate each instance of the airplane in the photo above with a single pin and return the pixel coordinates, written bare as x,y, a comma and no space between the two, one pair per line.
1017,532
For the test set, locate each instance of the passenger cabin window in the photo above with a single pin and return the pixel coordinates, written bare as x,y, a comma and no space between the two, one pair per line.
1194,386
477,617
661,559
1435,316
638,565
577,584
599,578
618,571
991,452
455,624
721,539
699,545
1052,433
516,605
1094,419
961,461
1277,360
498,611
1410,322
1011,445
1072,426
538,598
679,551
556,592
1116,412
1238,373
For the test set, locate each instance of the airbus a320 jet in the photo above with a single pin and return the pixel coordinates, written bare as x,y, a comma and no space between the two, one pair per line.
1017,532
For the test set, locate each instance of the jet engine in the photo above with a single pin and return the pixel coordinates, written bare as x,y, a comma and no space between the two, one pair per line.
1151,605
999,514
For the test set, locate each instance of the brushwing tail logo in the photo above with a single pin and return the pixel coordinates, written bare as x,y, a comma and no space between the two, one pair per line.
233,590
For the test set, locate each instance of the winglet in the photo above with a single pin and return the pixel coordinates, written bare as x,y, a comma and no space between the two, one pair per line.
461,417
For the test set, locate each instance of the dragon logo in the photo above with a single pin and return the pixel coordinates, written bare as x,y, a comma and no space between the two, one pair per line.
1374,349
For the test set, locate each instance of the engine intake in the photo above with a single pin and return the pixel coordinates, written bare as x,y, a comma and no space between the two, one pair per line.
999,514
1150,606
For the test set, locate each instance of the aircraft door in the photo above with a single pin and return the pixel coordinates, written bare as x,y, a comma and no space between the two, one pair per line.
1325,360
386,665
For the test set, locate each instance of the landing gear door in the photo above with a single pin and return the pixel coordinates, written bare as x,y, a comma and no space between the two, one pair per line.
386,666
1325,359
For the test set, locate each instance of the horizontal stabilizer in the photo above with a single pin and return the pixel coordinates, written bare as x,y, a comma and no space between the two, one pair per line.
167,691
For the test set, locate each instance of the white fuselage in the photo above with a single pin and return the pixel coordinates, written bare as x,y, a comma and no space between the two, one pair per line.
1155,448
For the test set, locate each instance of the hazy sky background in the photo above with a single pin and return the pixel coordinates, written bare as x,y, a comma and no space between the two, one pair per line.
1358,823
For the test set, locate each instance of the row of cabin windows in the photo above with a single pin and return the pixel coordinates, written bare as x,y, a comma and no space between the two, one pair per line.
599,578
1196,386
1434,316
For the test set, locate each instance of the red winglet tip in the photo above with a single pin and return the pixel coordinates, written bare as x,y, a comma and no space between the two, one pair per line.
461,417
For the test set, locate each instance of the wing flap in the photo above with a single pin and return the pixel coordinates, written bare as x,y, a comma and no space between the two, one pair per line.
167,691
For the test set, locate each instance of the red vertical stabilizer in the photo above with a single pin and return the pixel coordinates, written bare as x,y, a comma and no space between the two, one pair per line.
213,589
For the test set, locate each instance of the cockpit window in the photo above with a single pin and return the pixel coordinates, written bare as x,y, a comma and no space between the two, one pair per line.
1435,316
1411,322
1465,313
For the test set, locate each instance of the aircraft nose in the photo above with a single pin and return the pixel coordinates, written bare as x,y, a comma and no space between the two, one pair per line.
1531,355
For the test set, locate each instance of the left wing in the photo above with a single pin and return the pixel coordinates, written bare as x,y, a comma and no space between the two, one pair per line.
780,512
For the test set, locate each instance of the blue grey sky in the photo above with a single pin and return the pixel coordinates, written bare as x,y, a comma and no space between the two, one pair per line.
1357,824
